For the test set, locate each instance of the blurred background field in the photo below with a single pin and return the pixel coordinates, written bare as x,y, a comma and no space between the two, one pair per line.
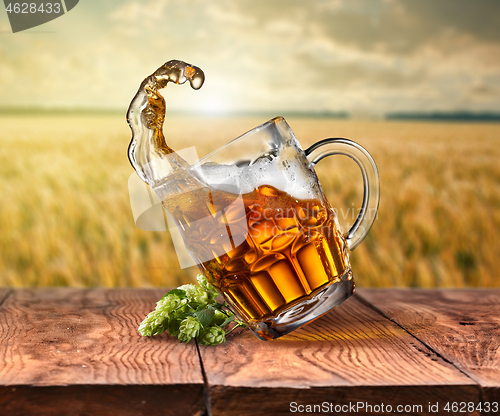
369,70
65,215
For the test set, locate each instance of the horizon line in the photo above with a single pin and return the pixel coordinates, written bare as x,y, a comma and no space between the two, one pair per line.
438,115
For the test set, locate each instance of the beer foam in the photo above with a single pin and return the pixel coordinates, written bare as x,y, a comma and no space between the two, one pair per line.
285,175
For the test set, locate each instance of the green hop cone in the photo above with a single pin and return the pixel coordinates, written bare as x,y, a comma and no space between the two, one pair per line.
157,321
169,303
212,291
195,294
189,329
154,324
191,311
212,335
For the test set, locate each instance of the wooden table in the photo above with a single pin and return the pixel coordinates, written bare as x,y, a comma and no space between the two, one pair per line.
77,352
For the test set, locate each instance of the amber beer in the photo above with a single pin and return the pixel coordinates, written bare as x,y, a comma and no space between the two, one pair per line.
266,254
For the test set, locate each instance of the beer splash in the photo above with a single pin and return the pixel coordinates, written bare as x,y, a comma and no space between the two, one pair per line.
148,151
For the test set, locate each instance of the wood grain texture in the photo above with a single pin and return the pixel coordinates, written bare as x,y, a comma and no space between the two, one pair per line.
352,353
463,326
87,339
4,292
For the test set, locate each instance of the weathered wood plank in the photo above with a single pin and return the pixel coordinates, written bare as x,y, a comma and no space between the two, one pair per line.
463,326
3,294
350,354
87,339
92,400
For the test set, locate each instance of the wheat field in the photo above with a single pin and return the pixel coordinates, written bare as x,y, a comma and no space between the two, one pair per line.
65,215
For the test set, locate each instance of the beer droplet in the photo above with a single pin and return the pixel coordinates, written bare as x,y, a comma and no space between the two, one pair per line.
189,72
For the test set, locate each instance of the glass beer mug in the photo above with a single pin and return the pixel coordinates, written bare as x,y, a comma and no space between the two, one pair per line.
259,227
253,216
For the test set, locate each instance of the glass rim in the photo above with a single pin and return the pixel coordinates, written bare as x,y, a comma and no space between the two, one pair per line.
274,120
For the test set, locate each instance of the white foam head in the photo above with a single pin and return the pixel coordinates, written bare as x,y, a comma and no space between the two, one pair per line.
285,174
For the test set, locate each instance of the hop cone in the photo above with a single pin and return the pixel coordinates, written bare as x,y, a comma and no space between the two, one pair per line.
212,291
190,328
154,324
168,303
195,293
157,321
212,335
191,311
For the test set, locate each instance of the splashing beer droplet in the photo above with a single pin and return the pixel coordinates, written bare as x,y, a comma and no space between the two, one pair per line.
145,117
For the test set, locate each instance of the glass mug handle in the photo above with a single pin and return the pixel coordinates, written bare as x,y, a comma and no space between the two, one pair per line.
360,155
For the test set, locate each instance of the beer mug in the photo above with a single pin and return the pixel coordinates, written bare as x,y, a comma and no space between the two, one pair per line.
259,227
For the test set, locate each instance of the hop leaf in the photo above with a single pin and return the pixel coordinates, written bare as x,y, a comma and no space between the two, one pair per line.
189,329
212,335
205,316
220,317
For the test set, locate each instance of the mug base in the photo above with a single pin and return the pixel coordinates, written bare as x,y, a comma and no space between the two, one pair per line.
306,311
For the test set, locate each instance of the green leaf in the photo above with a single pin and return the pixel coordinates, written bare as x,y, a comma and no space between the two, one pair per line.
205,317
186,308
200,307
184,314
217,306
173,327
228,320
197,305
178,292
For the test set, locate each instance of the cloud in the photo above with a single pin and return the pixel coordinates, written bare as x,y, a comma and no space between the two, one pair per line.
284,54
404,26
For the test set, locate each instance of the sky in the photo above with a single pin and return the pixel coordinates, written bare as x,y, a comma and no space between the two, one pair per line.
359,56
